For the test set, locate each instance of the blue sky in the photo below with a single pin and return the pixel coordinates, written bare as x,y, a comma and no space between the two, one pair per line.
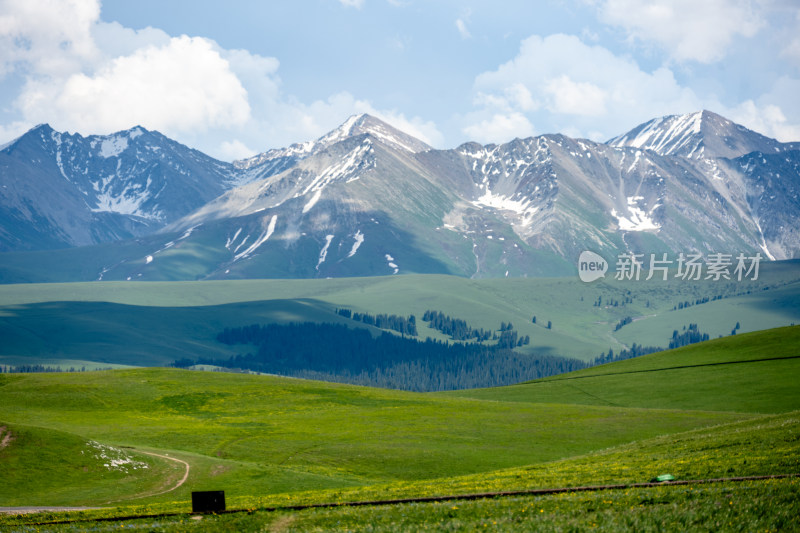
239,77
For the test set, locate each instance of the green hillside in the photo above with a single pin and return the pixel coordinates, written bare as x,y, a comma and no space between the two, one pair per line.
143,323
272,441
63,468
753,372
319,429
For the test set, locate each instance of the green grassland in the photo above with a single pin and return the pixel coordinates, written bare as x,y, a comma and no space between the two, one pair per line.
154,323
302,428
270,441
85,468
752,372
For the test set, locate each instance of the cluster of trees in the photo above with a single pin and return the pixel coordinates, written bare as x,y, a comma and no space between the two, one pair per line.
510,339
334,352
404,325
622,323
634,351
690,335
549,323
611,302
698,301
457,329
21,369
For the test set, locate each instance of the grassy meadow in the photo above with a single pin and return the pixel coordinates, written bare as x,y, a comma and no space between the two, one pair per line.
155,323
271,442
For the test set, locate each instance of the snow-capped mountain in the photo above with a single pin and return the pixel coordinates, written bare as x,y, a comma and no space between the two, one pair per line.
367,199
64,190
698,135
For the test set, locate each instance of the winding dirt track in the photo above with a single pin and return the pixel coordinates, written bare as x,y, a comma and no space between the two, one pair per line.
32,509
179,483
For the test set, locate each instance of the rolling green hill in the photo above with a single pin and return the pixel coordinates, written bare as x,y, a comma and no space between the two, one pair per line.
753,372
85,469
319,429
140,323
274,441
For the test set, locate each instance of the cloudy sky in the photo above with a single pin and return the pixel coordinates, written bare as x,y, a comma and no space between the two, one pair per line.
238,77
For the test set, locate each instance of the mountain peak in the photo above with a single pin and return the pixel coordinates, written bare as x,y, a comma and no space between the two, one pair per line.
41,130
377,128
702,134
360,124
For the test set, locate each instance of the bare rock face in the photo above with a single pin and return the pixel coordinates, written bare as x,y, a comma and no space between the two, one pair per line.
368,199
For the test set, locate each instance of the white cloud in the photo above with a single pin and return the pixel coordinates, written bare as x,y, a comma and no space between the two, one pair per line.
185,85
518,96
47,37
462,29
114,40
576,98
561,84
352,3
687,29
500,127
235,150
12,131
424,130
768,114
558,82
321,116
81,74
791,46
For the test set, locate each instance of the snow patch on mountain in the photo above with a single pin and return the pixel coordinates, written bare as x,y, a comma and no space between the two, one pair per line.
352,163
230,240
763,243
127,202
392,140
113,146
392,264
498,201
261,240
638,219
324,252
359,239
244,241
666,135
276,160
341,133
314,199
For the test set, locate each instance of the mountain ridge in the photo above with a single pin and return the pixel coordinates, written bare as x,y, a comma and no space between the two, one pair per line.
347,203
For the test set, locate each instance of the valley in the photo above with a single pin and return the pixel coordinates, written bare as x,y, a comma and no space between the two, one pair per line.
276,442
362,317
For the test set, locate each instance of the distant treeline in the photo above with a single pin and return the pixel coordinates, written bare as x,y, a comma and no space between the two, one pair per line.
334,352
622,323
698,301
22,369
406,326
611,302
459,330
456,328
690,335
634,351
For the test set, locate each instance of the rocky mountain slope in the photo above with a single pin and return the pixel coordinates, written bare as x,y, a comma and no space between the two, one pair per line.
62,190
367,199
